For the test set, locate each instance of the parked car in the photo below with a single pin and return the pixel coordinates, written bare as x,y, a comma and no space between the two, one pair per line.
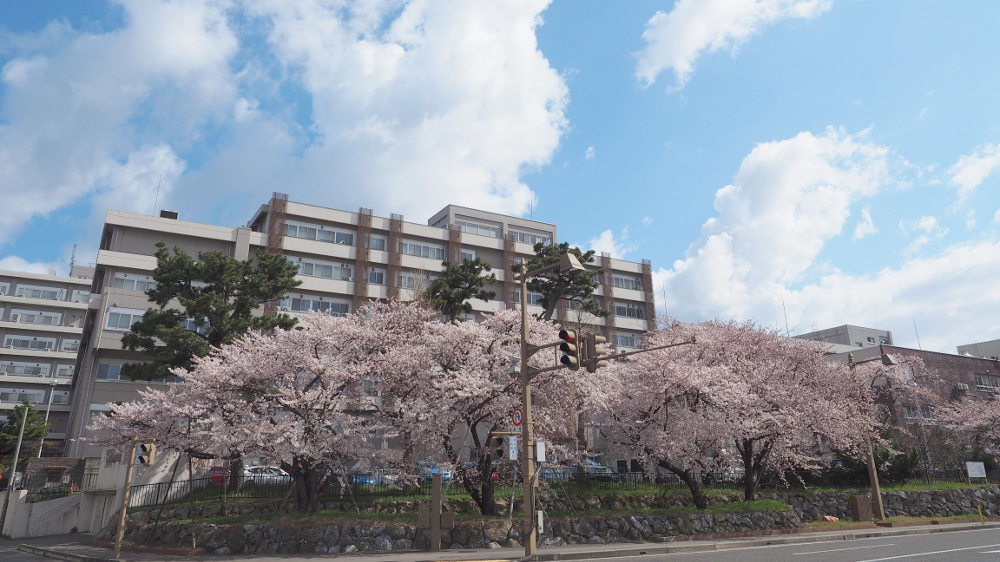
427,469
567,470
266,475
218,475
359,477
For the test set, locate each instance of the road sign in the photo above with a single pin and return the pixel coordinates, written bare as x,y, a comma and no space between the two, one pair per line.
976,469
513,448
516,415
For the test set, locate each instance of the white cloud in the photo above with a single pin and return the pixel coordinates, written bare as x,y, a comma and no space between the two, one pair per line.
607,242
17,263
675,39
402,106
756,250
971,170
930,231
590,153
996,216
646,221
865,226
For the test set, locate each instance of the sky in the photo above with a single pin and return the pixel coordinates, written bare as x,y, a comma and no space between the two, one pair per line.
802,163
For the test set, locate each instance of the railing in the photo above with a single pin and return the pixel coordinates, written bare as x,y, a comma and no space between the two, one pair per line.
40,490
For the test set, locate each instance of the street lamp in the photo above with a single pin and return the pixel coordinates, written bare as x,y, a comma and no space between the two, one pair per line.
52,388
877,507
568,262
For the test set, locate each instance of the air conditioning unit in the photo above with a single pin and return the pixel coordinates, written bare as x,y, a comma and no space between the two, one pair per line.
284,308
46,349
21,296
348,279
10,347
15,317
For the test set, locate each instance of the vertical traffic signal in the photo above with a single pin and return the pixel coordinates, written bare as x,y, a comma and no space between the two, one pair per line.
570,348
594,352
146,453
497,446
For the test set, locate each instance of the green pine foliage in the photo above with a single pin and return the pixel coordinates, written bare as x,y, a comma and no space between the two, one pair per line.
458,283
34,432
575,286
218,292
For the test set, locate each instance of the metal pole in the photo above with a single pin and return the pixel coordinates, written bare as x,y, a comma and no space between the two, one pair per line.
527,437
13,468
877,508
52,389
436,511
120,533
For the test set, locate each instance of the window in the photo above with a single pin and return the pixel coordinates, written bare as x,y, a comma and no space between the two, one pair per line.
987,383
107,372
479,229
630,311
4,288
871,339
192,326
534,299
97,410
123,318
626,341
340,272
28,342
24,369
81,296
71,346
333,236
532,239
378,243
422,250
926,412
468,254
131,282
376,277
17,395
35,317
60,397
65,371
627,283
408,282
314,304
36,292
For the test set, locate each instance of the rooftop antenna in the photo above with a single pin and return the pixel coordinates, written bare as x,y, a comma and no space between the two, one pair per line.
785,311
918,333
157,200
72,260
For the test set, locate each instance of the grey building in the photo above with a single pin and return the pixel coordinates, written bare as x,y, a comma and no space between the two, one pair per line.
41,325
345,259
988,349
853,336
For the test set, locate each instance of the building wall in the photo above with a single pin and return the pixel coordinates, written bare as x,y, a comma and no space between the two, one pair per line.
988,349
40,334
855,336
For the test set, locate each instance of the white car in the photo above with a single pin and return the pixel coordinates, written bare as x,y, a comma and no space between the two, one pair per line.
266,475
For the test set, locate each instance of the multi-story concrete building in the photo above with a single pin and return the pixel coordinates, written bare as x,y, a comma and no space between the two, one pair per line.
853,336
345,259
989,349
41,325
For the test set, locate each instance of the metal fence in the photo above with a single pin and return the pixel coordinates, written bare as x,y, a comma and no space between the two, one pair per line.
213,489
41,489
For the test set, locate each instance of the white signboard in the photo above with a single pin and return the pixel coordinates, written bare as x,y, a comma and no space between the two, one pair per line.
975,469
540,451
513,448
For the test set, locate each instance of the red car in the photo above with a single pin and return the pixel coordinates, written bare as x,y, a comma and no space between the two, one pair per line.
219,475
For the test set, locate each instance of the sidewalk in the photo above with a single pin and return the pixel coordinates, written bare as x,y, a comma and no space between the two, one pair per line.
80,545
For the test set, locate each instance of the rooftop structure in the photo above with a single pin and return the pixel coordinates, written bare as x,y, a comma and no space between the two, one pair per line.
854,336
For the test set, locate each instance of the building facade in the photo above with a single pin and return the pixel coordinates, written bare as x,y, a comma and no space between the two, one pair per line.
988,349
853,336
345,259
41,326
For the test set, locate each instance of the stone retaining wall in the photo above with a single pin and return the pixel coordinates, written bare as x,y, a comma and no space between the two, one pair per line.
270,538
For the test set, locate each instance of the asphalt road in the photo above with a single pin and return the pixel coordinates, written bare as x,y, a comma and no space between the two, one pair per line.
960,546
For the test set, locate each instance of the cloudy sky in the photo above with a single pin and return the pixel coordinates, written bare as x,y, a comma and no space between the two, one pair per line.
834,161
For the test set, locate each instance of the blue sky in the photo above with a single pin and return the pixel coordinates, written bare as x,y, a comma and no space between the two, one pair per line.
836,156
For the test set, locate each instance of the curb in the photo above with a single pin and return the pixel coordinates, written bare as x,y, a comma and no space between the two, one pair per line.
738,544
59,555
152,549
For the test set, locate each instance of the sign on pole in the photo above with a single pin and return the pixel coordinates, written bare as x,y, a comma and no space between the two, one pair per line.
976,469
516,415
513,448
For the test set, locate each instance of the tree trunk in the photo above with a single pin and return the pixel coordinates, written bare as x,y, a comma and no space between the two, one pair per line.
235,483
306,479
489,502
749,478
686,476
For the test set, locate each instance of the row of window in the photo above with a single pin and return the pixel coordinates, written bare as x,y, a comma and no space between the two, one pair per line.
316,305
36,317
130,284
113,372
630,311
18,395
532,239
123,320
421,250
34,369
323,235
44,293
479,229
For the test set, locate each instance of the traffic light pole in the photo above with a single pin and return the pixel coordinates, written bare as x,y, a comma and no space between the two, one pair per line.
530,537
120,533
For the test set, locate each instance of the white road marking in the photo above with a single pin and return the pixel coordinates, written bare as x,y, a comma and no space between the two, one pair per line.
930,553
840,549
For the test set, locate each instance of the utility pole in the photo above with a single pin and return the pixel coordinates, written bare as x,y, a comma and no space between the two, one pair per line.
120,533
527,435
878,510
52,391
13,468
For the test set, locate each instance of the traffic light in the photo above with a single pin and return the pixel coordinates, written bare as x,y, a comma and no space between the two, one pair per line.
497,447
594,352
146,453
570,348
